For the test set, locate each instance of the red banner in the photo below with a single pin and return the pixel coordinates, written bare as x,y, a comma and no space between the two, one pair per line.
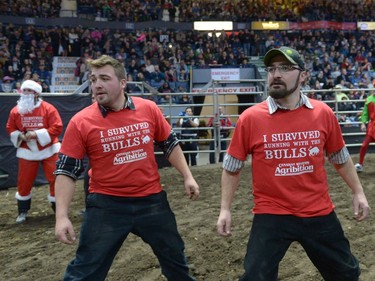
322,25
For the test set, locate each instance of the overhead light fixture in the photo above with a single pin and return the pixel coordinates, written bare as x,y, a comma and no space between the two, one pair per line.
217,34
213,25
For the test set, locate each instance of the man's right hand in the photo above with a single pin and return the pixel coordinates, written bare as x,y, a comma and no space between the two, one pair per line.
64,231
224,223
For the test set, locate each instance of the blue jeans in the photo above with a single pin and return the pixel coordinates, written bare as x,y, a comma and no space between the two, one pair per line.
107,222
321,237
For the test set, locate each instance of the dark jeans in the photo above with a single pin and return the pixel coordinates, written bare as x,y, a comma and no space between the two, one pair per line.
223,145
321,237
191,158
107,222
86,180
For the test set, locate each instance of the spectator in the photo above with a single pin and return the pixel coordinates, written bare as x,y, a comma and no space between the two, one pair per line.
340,95
35,77
165,90
74,43
170,75
142,69
43,74
181,66
96,35
355,79
10,72
182,76
16,66
219,133
17,88
7,85
188,123
157,76
150,67
366,65
343,78
45,87
132,68
183,97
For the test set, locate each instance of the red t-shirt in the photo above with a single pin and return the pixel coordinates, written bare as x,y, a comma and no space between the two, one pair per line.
288,154
120,147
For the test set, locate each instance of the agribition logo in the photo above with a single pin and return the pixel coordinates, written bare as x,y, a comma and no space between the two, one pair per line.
130,142
295,145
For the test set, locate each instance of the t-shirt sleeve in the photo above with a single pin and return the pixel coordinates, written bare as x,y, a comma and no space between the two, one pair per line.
73,143
238,147
335,141
162,127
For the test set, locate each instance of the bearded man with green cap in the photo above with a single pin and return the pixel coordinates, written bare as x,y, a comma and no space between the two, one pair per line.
289,136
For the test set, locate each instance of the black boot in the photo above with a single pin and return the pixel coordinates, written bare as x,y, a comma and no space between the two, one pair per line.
23,208
53,206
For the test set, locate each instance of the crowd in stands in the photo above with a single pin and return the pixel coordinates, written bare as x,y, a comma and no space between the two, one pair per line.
31,8
164,58
190,10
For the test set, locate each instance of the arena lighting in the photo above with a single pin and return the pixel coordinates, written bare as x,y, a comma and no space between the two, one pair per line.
213,25
217,34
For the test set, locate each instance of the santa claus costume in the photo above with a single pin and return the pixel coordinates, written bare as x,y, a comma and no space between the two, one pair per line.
34,126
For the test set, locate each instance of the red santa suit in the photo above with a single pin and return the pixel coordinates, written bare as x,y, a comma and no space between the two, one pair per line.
45,121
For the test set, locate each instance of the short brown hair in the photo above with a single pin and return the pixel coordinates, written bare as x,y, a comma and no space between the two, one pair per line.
107,60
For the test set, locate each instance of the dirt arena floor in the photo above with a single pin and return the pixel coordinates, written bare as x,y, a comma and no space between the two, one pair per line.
30,252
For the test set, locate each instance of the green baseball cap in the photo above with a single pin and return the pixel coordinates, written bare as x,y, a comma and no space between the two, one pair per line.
290,54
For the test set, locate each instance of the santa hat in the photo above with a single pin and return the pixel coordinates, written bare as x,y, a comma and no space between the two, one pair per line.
32,85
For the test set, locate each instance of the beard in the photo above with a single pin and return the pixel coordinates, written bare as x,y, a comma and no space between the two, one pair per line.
284,92
26,104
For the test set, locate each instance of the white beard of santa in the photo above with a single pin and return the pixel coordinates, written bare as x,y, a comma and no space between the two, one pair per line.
26,104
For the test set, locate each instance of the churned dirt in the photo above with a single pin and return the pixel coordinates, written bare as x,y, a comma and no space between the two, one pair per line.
30,252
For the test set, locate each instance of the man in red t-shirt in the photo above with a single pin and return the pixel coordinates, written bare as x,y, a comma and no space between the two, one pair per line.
117,133
288,137
34,126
